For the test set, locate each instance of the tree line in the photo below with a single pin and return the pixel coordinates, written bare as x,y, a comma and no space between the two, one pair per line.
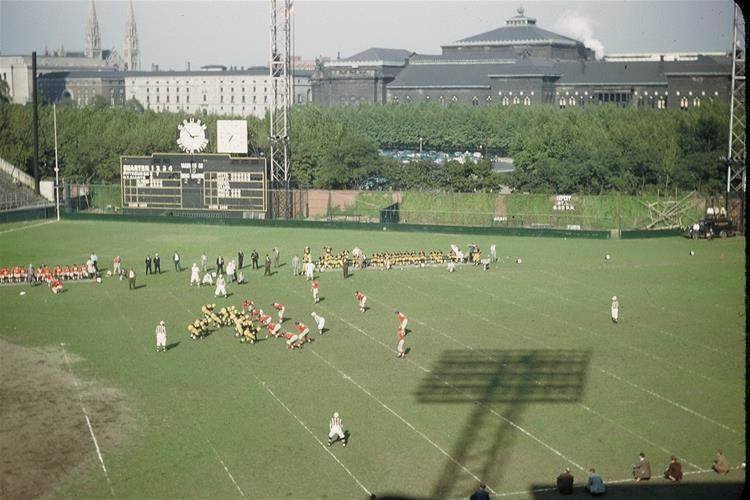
592,150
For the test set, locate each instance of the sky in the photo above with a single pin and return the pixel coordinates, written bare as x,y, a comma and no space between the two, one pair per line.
235,33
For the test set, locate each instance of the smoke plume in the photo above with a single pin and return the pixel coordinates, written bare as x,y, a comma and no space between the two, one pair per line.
581,28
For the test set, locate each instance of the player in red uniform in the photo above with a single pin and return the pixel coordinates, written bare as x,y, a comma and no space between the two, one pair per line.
3,275
291,340
402,320
55,285
361,300
400,347
315,290
304,332
280,308
263,318
248,305
274,329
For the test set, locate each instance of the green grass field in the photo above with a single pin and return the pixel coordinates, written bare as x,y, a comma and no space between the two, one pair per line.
512,374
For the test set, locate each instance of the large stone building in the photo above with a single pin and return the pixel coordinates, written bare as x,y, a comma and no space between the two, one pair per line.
16,69
361,78
522,64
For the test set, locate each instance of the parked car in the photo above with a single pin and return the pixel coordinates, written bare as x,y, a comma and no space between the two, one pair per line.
710,227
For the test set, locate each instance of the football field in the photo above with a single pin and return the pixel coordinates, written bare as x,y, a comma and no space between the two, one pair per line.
511,375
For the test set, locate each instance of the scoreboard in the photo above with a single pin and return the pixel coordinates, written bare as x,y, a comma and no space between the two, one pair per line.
193,182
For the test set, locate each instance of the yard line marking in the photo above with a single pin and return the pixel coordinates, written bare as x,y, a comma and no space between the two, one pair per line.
536,381
580,328
27,227
348,378
88,421
268,389
242,493
673,403
445,382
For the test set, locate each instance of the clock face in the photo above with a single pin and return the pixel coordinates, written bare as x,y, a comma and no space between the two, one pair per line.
193,136
231,136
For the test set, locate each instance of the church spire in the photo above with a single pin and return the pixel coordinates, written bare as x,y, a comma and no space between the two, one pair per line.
130,47
92,46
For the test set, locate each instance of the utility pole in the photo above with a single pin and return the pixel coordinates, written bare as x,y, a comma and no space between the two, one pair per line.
57,167
280,109
35,124
737,151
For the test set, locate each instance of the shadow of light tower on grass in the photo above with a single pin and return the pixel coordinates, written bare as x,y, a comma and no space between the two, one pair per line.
498,385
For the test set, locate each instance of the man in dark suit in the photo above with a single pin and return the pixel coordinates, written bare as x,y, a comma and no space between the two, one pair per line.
157,264
148,264
219,265
480,494
240,258
565,482
674,471
254,257
345,267
267,265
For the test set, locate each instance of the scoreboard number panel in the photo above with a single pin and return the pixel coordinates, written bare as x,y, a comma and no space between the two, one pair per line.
193,182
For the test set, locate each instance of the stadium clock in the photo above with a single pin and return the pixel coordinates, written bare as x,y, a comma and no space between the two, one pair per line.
193,136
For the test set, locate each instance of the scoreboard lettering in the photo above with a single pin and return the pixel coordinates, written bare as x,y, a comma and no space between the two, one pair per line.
194,182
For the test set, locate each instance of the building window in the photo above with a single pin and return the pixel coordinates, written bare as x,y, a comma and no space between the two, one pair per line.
697,102
527,101
489,98
562,103
662,103
571,101
684,103
177,99
475,101
505,100
441,99
221,99
167,98
204,97
243,99
254,99
454,98
232,99
187,98
516,100
157,98
408,98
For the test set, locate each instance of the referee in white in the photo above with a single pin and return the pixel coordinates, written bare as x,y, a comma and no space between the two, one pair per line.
161,337
336,430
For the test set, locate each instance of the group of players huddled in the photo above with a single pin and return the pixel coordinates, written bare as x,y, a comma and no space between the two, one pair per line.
248,324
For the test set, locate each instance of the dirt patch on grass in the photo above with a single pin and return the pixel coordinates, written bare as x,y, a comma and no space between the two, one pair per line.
44,438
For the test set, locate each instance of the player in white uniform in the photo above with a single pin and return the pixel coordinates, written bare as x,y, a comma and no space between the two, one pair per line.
309,271
195,275
615,310
161,337
208,279
336,430
221,288
320,321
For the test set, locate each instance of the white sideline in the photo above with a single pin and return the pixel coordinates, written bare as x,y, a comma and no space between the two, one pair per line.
88,421
588,409
27,227
242,493
347,377
673,403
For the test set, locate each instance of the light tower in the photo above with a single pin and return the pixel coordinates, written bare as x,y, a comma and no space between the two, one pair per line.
281,102
737,153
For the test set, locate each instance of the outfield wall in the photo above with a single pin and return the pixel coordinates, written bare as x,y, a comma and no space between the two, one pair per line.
28,213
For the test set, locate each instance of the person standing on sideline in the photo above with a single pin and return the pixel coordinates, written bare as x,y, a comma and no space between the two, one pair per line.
674,470
176,260
315,290
336,430
254,258
95,261
267,266
231,271
309,271
204,262
320,322
480,494
565,482
615,309
493,252
642,470
345,266
161,337
117,266
221,286
295,265
240,258
275,257
148,264
157,264
131,279
195,275
361,300
595,484
219,265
